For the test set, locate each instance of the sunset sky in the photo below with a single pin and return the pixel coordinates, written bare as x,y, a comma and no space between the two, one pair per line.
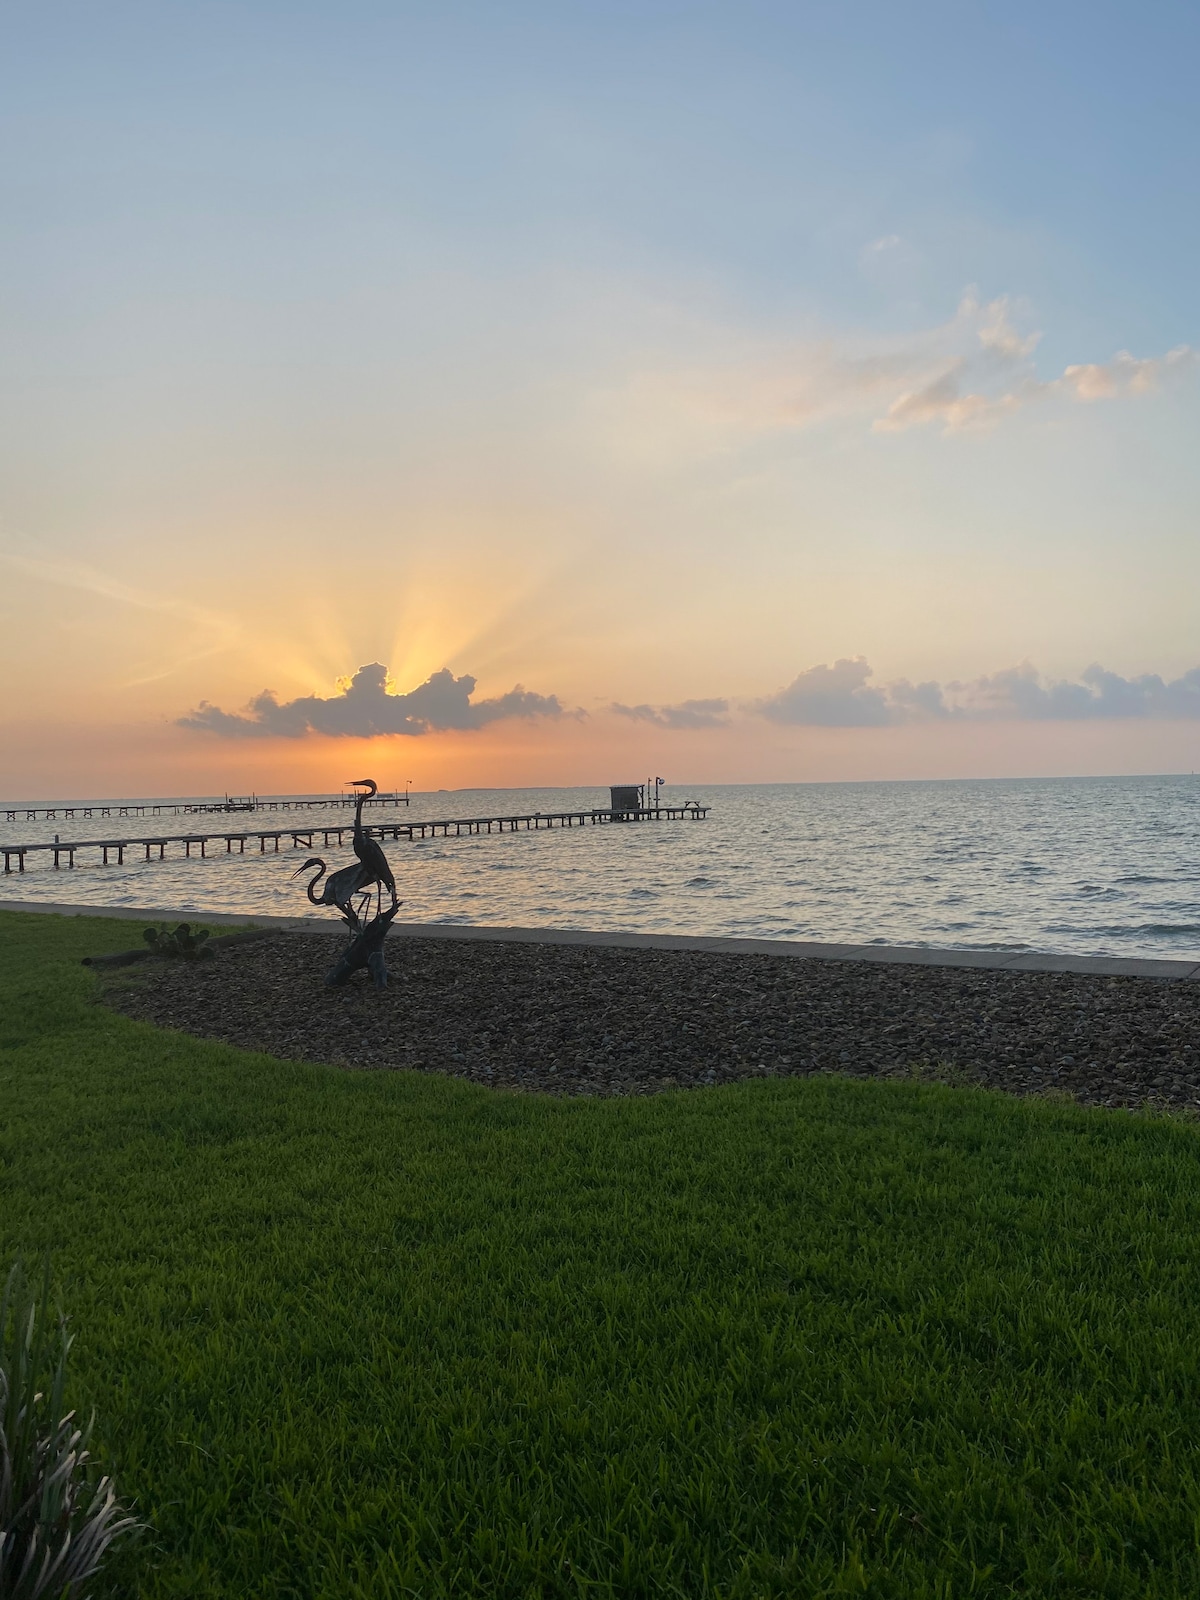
737,392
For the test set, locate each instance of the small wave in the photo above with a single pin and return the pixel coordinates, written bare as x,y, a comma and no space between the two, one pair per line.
1118,930
996,944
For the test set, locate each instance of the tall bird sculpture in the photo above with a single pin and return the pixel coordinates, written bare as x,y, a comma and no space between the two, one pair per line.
369,851
339,887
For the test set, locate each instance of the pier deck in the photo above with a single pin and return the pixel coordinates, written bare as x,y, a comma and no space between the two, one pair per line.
302,838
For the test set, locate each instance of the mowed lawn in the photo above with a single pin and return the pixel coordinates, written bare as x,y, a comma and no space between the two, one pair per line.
387,1335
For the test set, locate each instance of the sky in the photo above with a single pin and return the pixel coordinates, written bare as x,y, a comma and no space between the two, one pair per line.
555,393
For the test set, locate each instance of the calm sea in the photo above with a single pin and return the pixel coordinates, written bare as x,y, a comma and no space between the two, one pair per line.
1099,865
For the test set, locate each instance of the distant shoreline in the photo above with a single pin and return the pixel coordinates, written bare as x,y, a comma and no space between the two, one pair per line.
599,788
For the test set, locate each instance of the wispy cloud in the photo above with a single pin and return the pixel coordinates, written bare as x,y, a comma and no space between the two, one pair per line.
968,373
686,714
366,708
966,395
215,630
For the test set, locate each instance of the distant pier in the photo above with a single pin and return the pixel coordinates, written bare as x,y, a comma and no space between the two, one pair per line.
112,851
192,808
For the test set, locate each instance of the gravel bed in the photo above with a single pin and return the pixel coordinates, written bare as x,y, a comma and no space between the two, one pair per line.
596,1020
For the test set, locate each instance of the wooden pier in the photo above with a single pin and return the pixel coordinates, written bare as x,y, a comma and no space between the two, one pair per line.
193,808
302,838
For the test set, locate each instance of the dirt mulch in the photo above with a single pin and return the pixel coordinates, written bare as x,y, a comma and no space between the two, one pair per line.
580,1019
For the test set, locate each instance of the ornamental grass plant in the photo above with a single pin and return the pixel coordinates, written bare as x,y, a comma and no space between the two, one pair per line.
58,1516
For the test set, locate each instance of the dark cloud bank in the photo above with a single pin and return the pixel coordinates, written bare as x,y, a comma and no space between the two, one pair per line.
836,696
840,696
365,709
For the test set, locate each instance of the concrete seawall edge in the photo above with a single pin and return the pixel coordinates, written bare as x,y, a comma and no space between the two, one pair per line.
794,949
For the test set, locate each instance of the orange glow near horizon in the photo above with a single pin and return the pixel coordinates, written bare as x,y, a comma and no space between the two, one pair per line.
597,752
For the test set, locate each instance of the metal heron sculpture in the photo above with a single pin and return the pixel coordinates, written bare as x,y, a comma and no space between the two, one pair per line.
369,851
341,888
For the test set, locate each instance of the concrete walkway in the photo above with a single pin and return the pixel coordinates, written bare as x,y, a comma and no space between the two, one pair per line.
795,949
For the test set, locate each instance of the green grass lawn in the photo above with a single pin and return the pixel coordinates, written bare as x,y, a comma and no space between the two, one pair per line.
382,1335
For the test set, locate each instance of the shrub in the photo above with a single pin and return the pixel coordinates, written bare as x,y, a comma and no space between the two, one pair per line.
179,944
57,1517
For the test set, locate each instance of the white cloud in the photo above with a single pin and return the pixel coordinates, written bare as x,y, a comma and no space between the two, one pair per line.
996,332
1126,374
943,400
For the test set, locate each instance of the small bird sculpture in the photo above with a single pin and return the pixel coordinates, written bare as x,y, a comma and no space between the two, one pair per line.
369,851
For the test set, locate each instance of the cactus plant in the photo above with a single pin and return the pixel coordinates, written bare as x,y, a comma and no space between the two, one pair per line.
178,944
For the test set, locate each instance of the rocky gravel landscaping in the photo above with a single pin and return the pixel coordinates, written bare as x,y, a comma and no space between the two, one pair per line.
597,1020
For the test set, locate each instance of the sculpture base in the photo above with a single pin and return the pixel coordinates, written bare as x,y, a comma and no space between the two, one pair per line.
364,950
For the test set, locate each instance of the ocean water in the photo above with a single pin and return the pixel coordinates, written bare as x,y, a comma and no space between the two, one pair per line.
1093,865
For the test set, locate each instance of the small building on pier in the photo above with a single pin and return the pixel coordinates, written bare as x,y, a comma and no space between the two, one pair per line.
626,798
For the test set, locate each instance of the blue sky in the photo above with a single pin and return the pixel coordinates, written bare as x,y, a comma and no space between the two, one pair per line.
448,284
755,145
